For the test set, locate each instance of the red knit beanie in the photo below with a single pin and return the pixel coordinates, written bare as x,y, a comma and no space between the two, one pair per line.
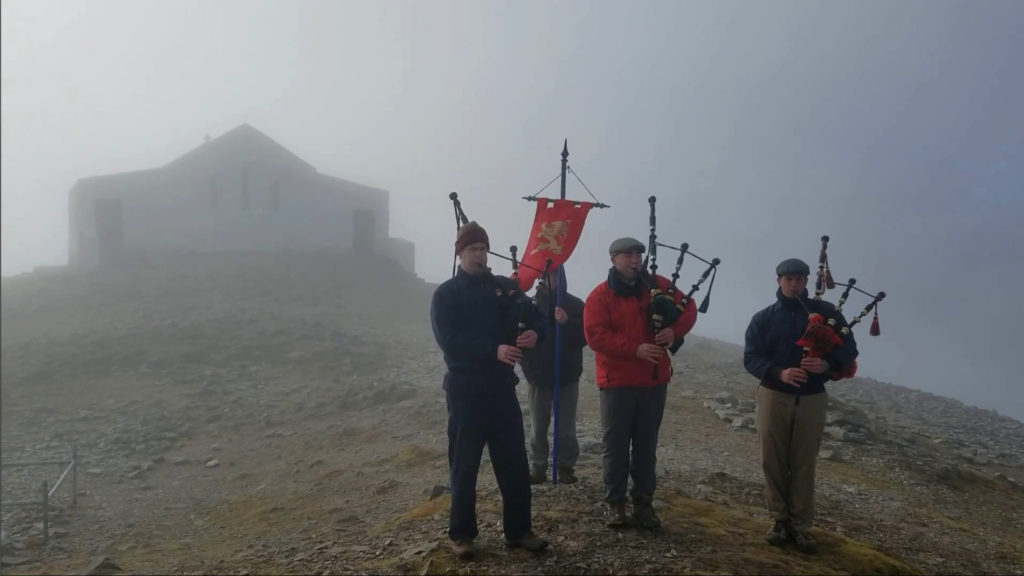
470,233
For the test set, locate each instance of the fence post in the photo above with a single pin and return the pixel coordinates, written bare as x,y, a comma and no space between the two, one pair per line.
74,475
46,513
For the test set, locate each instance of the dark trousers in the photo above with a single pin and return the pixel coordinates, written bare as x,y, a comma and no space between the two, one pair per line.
497,421
631,418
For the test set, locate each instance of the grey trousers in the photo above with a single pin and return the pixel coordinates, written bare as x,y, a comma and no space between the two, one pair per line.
789,428
631,418
541,403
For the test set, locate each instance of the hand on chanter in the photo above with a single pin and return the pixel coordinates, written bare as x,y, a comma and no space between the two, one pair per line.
815,365
650,352
527,339
509,354
560,315
664,337
794,376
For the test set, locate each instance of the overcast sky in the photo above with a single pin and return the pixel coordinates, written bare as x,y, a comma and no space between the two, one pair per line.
895,127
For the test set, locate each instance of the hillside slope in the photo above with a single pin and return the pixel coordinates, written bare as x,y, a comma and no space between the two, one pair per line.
284,415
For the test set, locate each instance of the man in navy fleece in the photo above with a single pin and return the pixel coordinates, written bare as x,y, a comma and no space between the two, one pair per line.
482,322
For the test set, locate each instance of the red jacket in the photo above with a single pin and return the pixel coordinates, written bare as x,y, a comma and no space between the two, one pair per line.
616,322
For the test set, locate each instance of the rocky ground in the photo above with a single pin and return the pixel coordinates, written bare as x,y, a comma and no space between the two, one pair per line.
284,416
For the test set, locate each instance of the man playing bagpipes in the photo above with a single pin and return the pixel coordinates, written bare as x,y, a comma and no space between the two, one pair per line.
793,347
475,316
633,370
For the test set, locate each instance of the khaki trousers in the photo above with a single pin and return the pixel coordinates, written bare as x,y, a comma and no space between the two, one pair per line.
789,428
541,403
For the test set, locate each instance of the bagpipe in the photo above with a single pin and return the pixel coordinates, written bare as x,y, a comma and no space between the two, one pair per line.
514,302
663,309
823,335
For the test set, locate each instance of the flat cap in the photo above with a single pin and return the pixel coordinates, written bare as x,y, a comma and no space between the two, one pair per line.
792,267
626,245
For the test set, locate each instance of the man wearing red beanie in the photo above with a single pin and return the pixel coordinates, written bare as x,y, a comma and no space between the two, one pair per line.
476,318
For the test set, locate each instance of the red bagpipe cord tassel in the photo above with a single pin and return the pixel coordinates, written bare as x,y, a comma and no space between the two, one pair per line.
875,330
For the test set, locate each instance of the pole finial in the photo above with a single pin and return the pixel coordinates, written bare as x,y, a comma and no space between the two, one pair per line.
565,164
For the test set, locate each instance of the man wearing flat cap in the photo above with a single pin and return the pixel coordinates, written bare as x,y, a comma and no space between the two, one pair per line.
633,369
791,400
471,314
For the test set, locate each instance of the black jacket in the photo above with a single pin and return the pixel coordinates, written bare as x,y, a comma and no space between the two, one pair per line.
771,346
539,363
471,316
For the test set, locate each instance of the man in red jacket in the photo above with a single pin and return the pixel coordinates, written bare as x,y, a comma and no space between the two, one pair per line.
633,370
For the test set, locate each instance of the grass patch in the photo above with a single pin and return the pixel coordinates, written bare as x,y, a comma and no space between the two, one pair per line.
845,473
423,511
738,534
429,508
415,455
950,523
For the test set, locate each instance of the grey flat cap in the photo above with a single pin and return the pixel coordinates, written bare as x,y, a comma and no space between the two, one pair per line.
792,267
626,245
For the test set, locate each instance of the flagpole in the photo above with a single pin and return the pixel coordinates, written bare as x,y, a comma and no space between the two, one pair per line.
558,335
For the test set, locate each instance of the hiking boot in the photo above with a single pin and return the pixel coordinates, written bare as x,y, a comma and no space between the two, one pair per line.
778,534
528,541
464,549
565,476
616,516
803,540
645,516
538,476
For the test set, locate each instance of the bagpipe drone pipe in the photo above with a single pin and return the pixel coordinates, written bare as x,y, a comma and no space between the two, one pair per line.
515,303
824,334
663,310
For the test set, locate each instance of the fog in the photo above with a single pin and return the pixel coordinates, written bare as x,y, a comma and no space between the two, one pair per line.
897,128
